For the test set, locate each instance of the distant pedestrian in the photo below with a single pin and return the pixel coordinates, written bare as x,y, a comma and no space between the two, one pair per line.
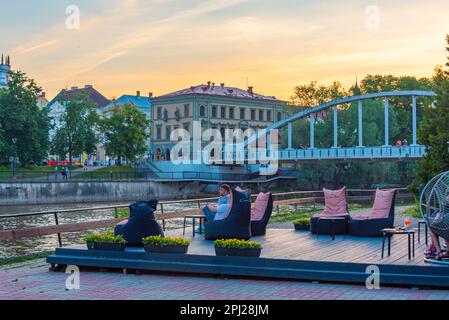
64,173
56,172
67,173
405,142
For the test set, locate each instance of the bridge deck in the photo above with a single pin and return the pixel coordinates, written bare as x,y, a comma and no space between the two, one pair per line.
286,254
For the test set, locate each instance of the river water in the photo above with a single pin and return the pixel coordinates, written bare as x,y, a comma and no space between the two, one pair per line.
29,246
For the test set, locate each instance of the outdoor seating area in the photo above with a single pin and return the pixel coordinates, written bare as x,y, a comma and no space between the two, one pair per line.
284,253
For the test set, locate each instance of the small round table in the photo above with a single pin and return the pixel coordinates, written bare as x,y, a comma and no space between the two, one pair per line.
332,221
201,218
388,233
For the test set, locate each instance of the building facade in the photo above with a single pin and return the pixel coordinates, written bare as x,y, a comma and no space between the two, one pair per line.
216,107
5,68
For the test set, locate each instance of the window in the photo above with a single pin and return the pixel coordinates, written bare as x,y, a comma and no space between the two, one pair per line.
260,115
268,115
214,111
223,112
159,113
279,116
202,111
187,110
186,126
242,113
231,113
167,132
159,132
253,114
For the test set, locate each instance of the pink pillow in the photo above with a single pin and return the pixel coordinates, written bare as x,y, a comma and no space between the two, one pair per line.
335,202
260,206
382,204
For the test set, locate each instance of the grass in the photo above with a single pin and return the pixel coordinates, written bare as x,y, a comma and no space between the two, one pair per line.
31,257
25,171
105,173
413,212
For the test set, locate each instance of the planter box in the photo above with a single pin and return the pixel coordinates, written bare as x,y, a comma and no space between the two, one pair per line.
253,252
166,249
109,246
301,227
90,245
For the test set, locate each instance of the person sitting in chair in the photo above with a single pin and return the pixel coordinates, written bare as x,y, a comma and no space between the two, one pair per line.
436,250
219,210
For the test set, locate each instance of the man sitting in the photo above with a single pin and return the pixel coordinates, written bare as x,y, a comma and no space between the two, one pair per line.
219,210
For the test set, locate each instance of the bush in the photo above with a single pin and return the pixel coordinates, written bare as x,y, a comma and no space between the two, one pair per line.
304,221
107,237
237,244
159,241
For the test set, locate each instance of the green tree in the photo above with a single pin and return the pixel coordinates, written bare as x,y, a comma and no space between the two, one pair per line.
75,133
21,119
125,132
434,130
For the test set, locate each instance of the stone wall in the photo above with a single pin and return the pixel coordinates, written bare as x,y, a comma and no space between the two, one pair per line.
28,193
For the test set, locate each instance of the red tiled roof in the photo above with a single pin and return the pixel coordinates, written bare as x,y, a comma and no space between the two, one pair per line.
218,90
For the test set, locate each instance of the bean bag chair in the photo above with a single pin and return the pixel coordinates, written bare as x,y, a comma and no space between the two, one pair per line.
261,214
335,206
237,225
381,216
141,223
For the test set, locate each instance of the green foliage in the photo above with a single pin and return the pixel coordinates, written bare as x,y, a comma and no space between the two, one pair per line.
434,129
75,133
21,118
304,221
159,241
317,175
125,132
237,244
106,237
413,212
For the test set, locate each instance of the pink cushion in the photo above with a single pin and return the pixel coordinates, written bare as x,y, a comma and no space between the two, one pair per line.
260,206
335,202
382,204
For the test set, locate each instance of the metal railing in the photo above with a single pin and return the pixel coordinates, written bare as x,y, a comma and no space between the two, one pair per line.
136,175
285,198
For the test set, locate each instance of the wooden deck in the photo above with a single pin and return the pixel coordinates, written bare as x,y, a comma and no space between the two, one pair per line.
286,254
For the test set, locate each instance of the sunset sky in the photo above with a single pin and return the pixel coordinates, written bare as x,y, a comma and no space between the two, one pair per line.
166,45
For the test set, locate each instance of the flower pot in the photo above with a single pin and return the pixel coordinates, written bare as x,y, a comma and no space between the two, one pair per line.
166,249
302,227
252,252
109,246
90,245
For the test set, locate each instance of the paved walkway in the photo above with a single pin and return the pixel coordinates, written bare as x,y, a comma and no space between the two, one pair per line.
32,280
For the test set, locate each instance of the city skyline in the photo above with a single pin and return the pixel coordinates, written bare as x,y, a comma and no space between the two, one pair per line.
162,46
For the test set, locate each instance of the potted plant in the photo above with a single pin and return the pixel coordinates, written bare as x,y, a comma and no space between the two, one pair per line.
302,224
91,239
158,244
107,241
234,247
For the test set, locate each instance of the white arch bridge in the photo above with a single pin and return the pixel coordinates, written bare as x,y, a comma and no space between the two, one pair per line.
358,152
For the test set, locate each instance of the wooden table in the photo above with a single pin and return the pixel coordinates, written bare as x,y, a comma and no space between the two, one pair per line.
388,233
332,221
201,218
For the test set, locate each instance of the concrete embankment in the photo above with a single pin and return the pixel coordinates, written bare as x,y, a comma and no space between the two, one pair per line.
29,193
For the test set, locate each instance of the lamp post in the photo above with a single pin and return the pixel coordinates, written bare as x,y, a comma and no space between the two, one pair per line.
14,141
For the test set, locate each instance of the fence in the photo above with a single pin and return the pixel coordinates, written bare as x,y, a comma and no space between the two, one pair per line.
280,199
